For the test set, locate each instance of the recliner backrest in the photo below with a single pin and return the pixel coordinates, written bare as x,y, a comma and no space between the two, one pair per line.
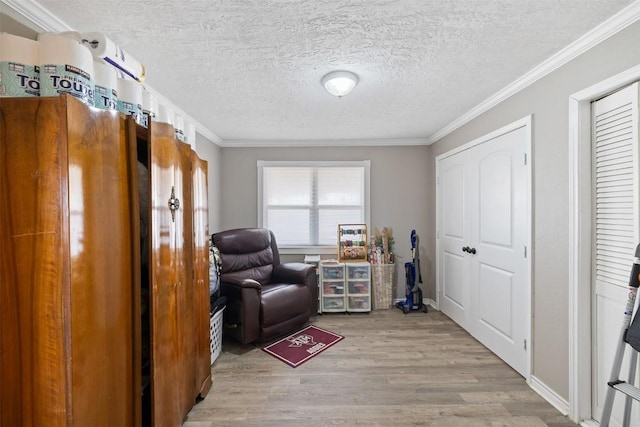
247,253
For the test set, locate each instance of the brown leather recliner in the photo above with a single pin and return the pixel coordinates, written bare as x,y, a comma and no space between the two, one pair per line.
265,299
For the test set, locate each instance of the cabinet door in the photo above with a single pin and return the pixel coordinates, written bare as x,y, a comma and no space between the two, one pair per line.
201,273
185,310
166,275
103,270
34,255
67,257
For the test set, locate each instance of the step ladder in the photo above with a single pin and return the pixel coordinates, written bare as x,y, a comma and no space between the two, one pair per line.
629,338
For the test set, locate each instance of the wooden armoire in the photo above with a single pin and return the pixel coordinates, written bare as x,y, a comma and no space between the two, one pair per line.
104,290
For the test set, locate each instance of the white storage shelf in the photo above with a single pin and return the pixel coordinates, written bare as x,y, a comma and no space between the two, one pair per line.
358,287
345,287
332,286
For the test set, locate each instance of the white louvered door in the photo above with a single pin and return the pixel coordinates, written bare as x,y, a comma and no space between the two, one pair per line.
616,232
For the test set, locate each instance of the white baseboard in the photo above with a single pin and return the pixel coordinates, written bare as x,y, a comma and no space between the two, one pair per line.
549,395
554,399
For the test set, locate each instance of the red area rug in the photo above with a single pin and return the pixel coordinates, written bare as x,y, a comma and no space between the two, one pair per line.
303,345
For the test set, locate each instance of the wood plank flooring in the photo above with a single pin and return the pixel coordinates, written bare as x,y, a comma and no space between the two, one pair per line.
391,370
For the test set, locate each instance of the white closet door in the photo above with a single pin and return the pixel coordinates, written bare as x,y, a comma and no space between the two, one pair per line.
616,232
454,235
483,197
499,268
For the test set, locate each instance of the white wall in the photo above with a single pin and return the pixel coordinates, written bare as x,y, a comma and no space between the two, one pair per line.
210,152
547,100
399,197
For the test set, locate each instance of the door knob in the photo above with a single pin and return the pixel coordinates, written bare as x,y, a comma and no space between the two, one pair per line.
472,251
466,249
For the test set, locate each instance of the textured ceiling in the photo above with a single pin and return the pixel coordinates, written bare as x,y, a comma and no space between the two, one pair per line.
250,70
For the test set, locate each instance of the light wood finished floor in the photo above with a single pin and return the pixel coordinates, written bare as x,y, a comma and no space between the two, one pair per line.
391,370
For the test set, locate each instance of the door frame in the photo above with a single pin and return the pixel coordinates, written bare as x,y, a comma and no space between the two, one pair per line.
580,236
525,122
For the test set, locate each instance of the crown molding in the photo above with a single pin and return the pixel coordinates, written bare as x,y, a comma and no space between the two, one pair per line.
200,128
39,19
293,143
613,25
34,16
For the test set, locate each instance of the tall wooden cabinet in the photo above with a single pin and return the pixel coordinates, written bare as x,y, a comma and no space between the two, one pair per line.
100,324
178,276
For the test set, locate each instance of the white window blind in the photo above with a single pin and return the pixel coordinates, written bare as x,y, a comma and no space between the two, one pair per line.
616,185
303,202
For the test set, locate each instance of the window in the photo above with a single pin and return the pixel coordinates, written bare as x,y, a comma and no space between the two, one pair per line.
303,202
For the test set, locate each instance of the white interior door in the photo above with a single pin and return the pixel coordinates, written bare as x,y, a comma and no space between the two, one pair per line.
499,266
483,234
454,235
615,234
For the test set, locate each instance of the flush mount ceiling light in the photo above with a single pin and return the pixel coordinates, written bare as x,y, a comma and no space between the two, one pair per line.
339,83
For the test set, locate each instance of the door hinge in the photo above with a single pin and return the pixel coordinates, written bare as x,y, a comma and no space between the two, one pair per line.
437,234
525,251
525,159
525,344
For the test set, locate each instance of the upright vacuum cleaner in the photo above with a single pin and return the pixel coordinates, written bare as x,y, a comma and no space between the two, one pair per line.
413,277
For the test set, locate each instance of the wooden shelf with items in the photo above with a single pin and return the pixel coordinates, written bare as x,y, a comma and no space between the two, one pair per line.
352,242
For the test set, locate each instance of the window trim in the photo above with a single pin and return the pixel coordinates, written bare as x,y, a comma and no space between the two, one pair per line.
310,249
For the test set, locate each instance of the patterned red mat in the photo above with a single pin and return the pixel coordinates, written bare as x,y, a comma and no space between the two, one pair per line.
303,345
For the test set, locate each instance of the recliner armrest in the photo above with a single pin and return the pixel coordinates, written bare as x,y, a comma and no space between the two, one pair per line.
292,272
240,282
300,273
242,316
